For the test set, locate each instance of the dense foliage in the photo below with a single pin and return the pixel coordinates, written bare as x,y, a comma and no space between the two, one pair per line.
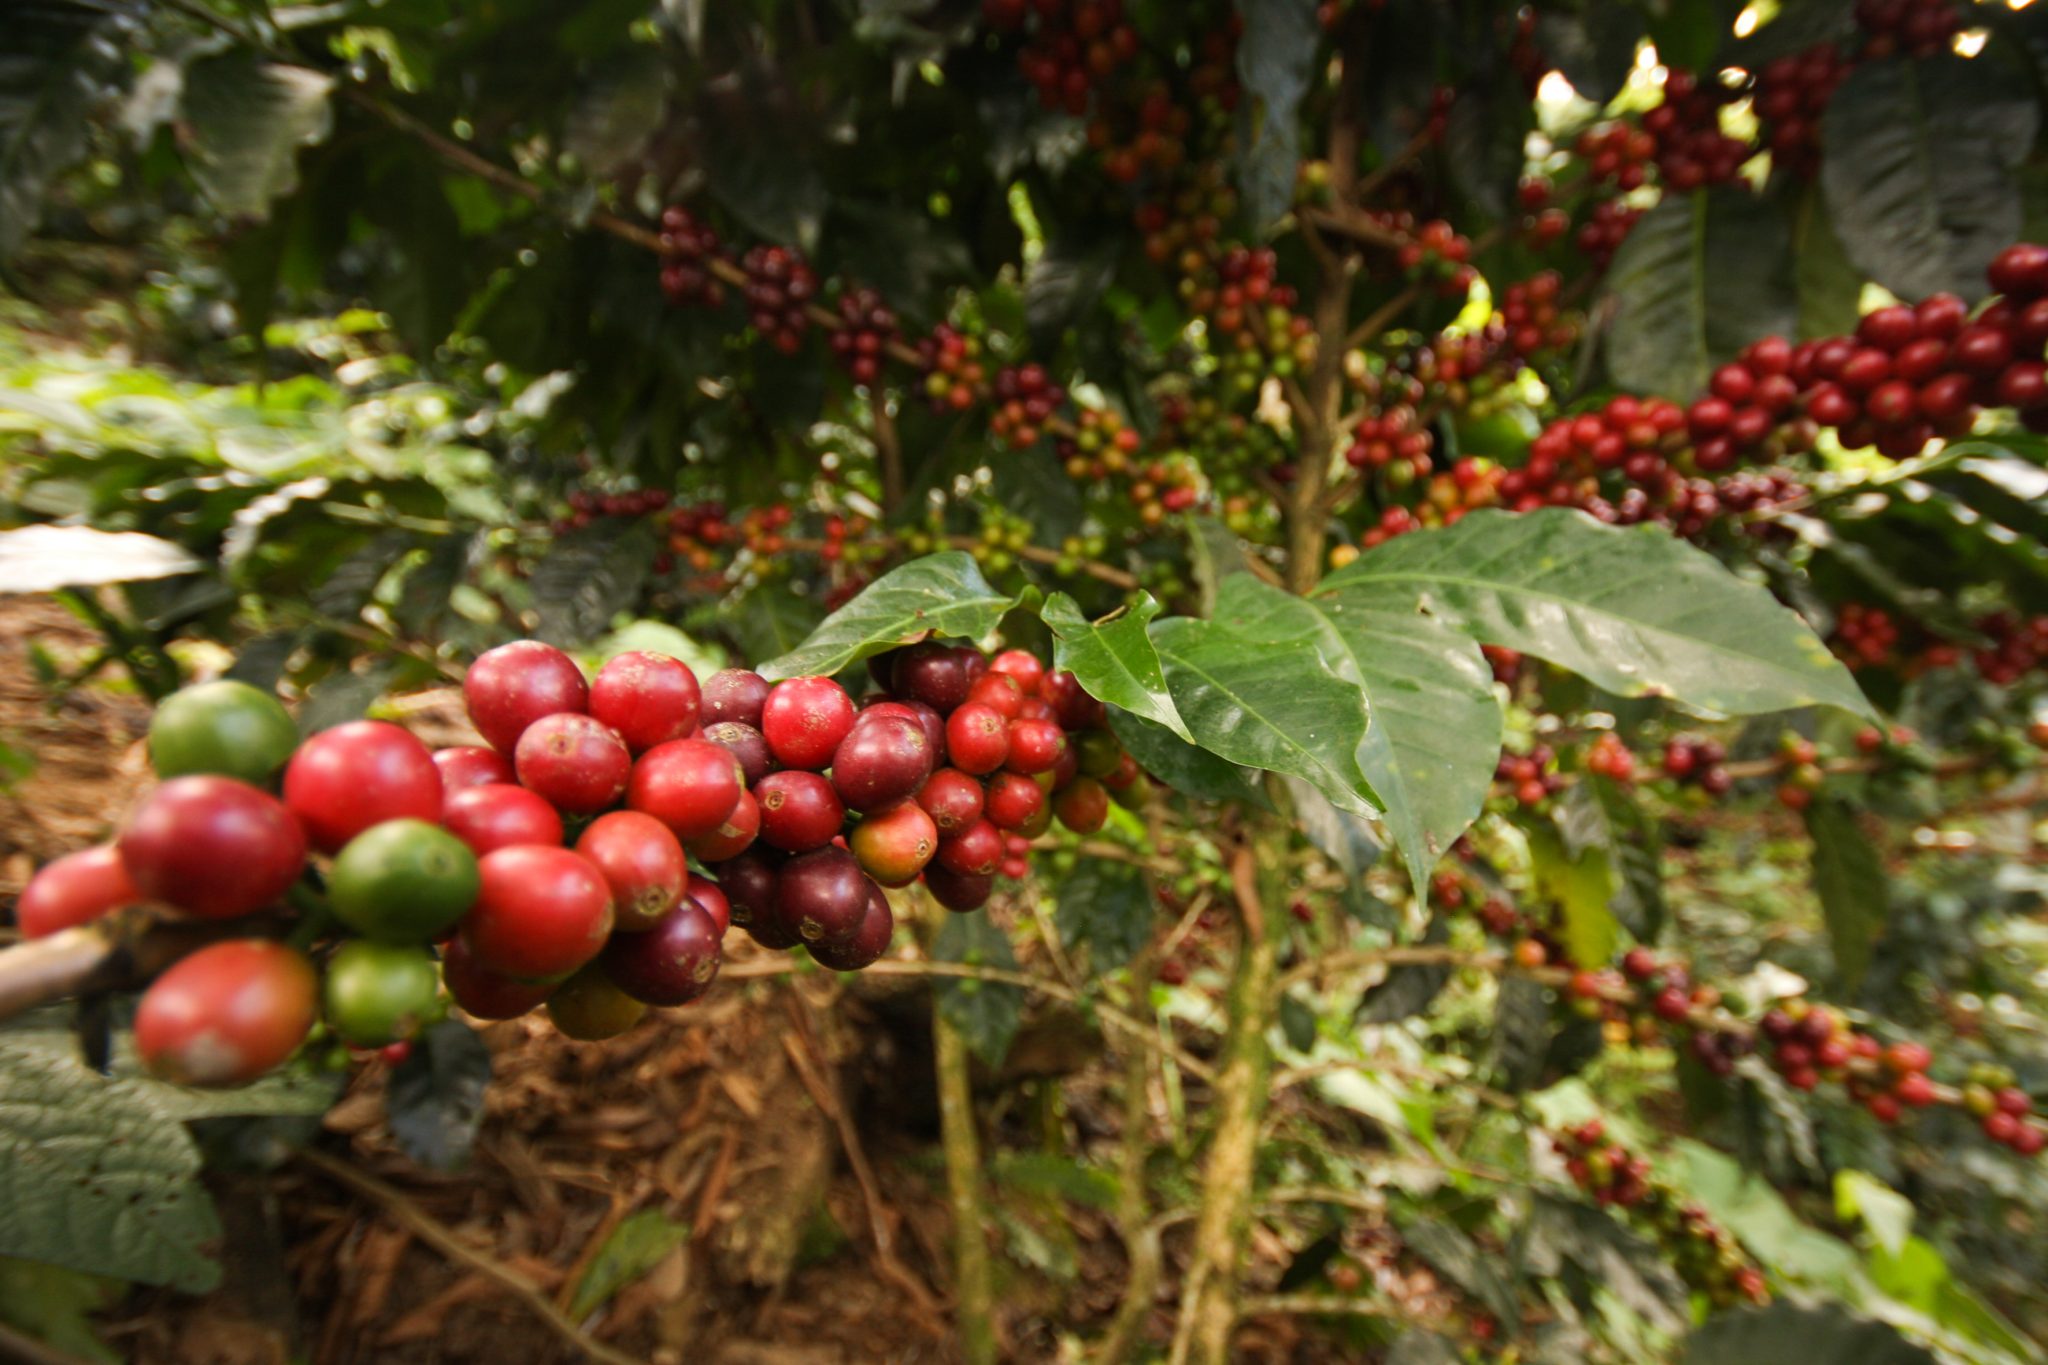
1533,512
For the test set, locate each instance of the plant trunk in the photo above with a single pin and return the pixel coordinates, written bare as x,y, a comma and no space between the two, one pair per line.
1208,1307
1133,1210
973,1287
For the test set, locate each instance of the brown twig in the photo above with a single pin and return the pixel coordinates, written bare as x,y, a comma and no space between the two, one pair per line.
432,1231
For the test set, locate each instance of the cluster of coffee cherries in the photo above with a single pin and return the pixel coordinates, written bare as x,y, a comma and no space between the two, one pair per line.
1250,314
1542,222
1189,217
1395,434
588,504
1917,28
1531,312
2019,645
1617,153
1159,141
953,368
1865,636
867,326
1026,399
1605,229
1439,255
780,287
687,249
1791,94
1702,1251
1691,148
1074,45
1529,779
1698,761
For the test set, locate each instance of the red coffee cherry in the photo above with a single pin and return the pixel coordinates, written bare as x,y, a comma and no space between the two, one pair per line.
540,912
800,811
733,694
804,719
952,799
932,673
484,993
512,686
710,898
226,1014
1000,691
893,845
641,862
977,849
470,765
1082,805
344,780
577,762
498,815
1013,801
73,890
1022,665
733,837
977,739
865,945
958,891
648,698
1036,746
213,847
672,963
690,785
882,760
822,894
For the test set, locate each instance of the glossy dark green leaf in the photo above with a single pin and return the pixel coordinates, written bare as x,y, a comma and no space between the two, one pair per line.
1634,610
987,1013
1274,60
436,1096
1464,1263
1113,658
1594,47
1180,765
1919,167
1796,27
1786,1331
1252,685
1849,878
247,119
1616,1258
619,108
1829,285
1106,906
1701,276
1350,841
587,578
941,594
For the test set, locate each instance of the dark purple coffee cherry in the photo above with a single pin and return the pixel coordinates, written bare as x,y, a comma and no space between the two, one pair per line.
823,894
748,881
746,744
933,674
866,944
959,891
882,760
671,964
733,694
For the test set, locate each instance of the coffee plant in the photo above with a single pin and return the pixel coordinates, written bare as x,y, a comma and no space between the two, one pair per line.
1462,582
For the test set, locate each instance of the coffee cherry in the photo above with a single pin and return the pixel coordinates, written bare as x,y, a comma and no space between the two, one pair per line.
344,780
800,810
484,993
977,739
470,765
376,994
226,728
734,694
1022,665
498,815
1000,691
76,889
748,882
952,799
580,764
648,699
745,744
1082,805
893,845
733,837
882,760
404,881
710,898
590,1007
804,719
822,894
690,785
512,686
671,963
226,1014
931,673
977,849
540,912
958,891
642,864
865,945
1013,801
1072,707
213,847
1035,746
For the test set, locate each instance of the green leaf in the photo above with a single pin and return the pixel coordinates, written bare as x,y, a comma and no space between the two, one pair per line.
1785,1331
1595,49
436,1097
588,577
639,1244
1583,886
93,1175
941,594
1634,610
1701,276
344,695
55,1306
1409,988
1460,1260
1349,840
1849,878
1613,1256
1180,765
768,620
246,119
1253,686
1274,61
782,196
1597,813
986,1012
62,59
45,558
1829,285
1759,1218
1106,905
1887,1213
618,109
1113,658
1919,168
